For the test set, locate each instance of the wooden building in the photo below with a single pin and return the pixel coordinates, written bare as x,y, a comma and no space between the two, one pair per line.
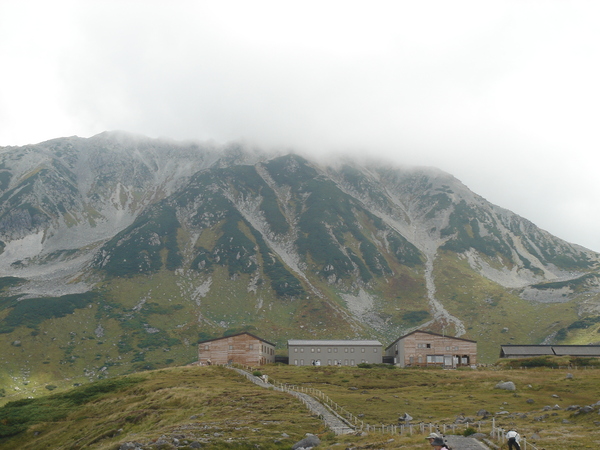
242,348
423,348
334,352
530,351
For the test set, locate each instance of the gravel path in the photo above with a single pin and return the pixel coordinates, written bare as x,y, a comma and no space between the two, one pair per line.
337,425
465,443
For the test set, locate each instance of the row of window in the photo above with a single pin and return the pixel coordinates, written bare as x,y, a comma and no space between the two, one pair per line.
330,350
439,359
428,345
334,362
263,348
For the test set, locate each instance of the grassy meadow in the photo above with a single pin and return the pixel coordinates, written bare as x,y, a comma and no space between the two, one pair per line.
221,409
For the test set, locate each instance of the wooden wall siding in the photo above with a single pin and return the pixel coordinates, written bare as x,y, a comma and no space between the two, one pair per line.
240,349
345,355
414,349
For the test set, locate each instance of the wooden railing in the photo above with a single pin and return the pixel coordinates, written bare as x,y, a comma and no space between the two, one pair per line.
496,433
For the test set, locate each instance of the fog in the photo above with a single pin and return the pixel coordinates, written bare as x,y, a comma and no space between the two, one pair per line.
503,95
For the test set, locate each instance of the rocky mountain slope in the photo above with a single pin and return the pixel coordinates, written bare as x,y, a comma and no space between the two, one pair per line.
120,252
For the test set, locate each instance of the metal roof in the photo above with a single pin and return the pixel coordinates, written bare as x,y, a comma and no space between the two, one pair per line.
235,335
560,350
527,350
577,350
332,343
445,336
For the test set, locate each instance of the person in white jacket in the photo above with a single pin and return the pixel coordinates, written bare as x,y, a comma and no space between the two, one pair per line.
513,439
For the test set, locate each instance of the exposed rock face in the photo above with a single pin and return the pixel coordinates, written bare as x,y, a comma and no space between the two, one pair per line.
342,250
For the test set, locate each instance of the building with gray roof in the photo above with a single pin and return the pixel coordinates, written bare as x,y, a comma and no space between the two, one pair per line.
334,352
530,351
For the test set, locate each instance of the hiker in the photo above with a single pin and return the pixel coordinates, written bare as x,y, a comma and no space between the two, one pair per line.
438,444
432,436
513,439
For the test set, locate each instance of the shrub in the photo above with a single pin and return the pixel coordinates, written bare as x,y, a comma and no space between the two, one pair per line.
469,431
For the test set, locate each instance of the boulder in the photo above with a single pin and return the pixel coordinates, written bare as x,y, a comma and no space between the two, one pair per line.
506,385
128,446
309,441
405,418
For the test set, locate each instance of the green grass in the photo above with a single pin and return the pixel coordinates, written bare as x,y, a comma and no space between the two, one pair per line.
206,404
222,409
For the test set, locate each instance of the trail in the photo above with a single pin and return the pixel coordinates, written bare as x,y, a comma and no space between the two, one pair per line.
332,421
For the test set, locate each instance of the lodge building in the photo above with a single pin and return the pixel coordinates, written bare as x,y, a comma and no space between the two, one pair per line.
418,348
242,348
423,348
334,352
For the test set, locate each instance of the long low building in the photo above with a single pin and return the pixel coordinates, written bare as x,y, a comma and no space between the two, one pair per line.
530,351
334,352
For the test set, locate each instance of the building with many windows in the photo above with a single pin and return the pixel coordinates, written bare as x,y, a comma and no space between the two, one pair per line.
423,348
334,352
242,348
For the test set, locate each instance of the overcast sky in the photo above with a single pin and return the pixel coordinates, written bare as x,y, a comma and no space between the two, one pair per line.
504,95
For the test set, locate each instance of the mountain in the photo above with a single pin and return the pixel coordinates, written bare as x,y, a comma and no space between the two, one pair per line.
121,252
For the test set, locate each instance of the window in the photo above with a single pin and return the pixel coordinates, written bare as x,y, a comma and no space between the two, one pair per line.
206,347
295,362
295,350
374,350
362,350
250,346
319,350
328,350
428,345
231,347
345,350
433,359
335,350
301,350
312,350
351,350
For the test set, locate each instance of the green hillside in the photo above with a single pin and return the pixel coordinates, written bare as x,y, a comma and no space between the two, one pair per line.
218,408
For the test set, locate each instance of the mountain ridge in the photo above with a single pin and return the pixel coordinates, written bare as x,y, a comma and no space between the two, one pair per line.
160,243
